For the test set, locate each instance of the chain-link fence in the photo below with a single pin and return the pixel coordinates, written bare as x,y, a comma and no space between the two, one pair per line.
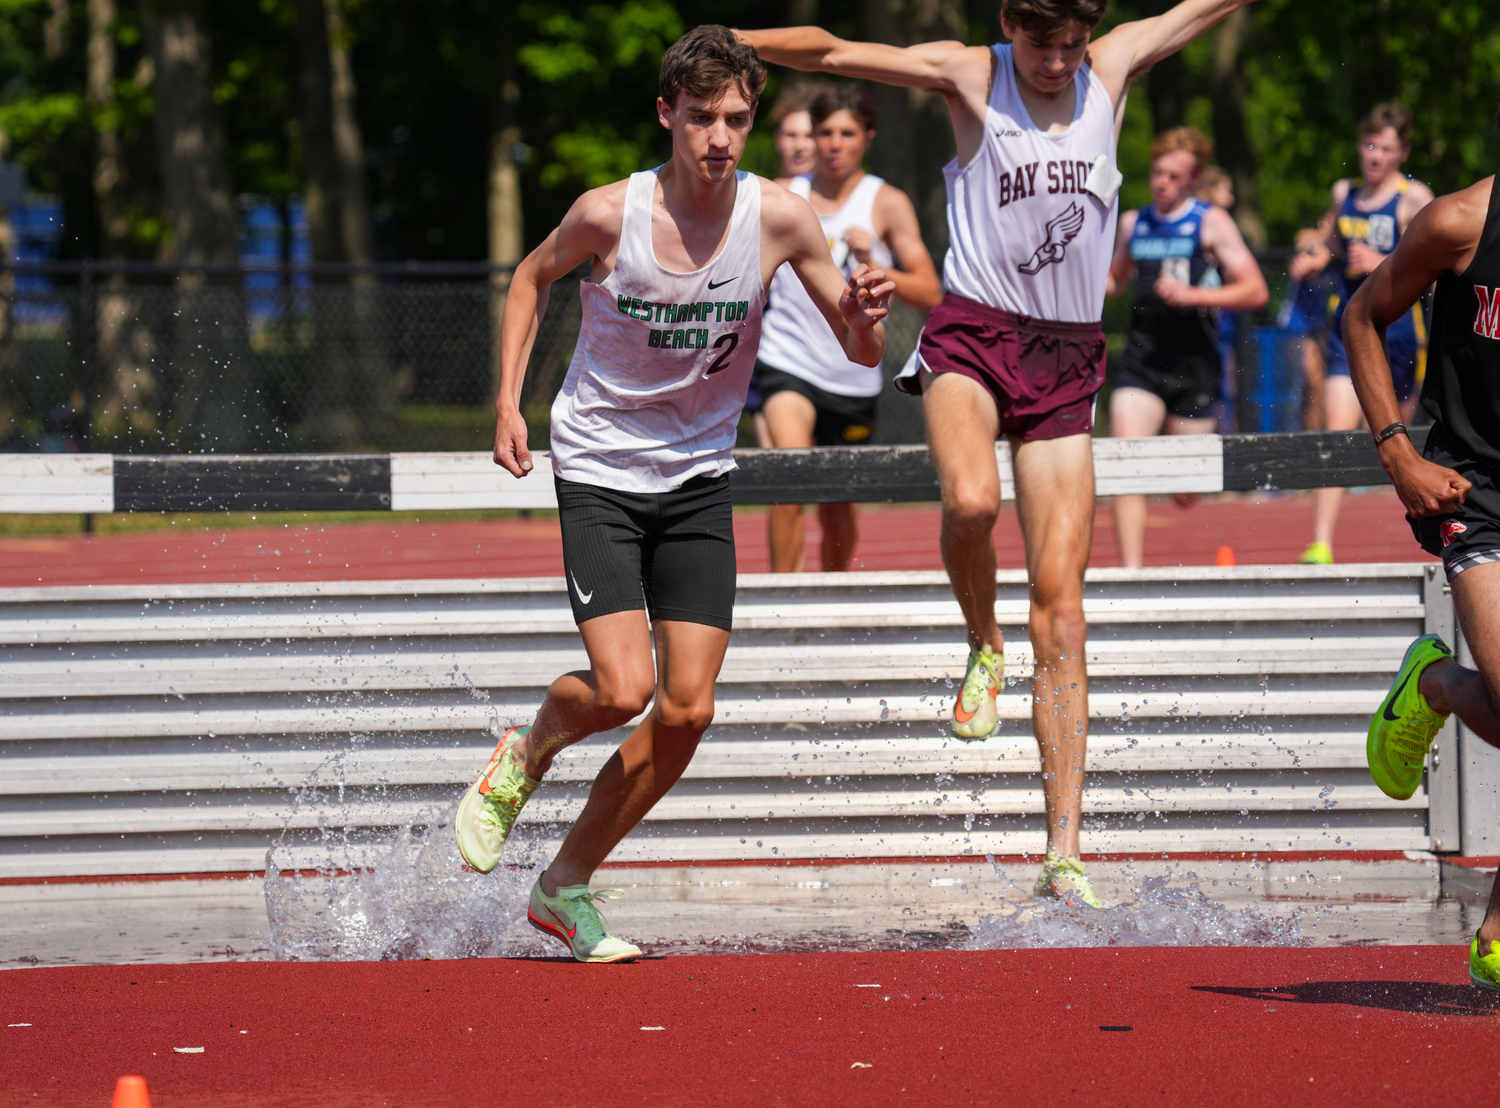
128,357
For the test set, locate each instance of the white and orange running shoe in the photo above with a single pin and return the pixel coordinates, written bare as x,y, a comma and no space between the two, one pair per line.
975,713
572,917
489,809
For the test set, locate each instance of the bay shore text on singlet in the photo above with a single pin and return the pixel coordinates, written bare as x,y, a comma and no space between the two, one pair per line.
795,338
1024,235
1462,389
658,380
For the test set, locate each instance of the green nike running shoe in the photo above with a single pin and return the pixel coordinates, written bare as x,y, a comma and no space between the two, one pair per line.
1066,879
1317,554
1484,969
572,917
1402,731
489,809
975,714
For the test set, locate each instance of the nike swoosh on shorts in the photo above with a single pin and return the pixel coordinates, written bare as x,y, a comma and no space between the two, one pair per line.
582,596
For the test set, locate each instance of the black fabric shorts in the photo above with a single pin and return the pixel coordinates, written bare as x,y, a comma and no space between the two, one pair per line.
1470,536
671,553
841,420
1187,379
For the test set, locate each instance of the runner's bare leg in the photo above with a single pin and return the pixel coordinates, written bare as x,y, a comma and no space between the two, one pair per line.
962,424
1055,503
790,421
615,689
649,762
840,523
1474,693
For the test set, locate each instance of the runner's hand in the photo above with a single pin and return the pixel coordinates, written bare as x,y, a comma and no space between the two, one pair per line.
1174,293
1363,259
1425,488
858,242
510,444
866,298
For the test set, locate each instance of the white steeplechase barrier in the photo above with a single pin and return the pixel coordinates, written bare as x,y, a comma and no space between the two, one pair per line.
175,729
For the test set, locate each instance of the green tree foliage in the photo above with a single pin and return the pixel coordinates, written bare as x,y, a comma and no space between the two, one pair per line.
427,74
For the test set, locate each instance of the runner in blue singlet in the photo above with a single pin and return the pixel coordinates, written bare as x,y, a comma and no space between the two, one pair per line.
1362,226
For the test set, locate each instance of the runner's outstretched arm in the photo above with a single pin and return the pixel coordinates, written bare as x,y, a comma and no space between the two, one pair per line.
1133,48
936,66
591,229
1442,238
853,308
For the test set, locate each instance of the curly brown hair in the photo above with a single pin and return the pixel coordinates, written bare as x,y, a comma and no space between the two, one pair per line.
1045,18
1190,139
706,62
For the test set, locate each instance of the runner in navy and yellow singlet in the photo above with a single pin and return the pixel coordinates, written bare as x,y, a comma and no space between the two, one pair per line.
1451,491
1186,261
1363,225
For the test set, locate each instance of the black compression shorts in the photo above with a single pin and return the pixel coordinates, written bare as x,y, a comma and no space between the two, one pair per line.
1186,378
1469,536
841,420
671,553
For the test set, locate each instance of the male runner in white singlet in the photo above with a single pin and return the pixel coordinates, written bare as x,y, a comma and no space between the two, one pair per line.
812,395
1016,347
641,437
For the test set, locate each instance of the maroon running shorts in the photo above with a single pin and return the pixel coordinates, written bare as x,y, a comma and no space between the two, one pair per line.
1043,375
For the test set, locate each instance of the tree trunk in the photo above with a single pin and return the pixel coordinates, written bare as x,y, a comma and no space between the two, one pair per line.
1231,140
217,399
507,226
351,392
915,136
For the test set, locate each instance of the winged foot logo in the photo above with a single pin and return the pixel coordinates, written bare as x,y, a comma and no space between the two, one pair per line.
1061,230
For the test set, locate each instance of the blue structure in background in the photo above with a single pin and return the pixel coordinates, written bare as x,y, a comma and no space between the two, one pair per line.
37,225
264,241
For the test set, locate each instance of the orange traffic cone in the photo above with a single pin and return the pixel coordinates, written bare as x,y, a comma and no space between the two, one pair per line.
130,1092
1225,556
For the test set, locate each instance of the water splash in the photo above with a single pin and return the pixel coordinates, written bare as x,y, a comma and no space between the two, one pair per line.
417,900
1162,914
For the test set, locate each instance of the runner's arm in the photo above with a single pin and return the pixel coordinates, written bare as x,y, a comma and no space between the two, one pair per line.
1132,48
853,308
939,67
896,222
1441,238
591,229
1303,266
1244,288
1121,265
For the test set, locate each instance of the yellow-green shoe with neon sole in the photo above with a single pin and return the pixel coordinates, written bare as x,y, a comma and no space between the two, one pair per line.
489,809
1316,554
975,712
1484,969
1066,879
572,917
1402,730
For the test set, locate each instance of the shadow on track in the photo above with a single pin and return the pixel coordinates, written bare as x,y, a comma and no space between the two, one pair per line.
1424,997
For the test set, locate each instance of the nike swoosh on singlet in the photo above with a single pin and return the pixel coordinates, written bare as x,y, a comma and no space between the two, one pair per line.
1386,712
721,284
582,596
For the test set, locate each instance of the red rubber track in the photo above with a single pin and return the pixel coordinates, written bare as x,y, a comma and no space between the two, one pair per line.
1268,530
1245,1026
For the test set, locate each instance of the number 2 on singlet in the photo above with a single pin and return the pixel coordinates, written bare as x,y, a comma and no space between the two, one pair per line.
722,361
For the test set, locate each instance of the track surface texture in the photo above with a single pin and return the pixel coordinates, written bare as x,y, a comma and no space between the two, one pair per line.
1222,1026
1260,529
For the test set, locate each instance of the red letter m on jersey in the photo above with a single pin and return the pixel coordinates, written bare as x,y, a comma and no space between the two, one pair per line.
1487,322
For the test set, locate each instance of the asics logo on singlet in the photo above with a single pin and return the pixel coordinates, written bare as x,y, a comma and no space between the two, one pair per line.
1487,322
1061,230
1006,132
